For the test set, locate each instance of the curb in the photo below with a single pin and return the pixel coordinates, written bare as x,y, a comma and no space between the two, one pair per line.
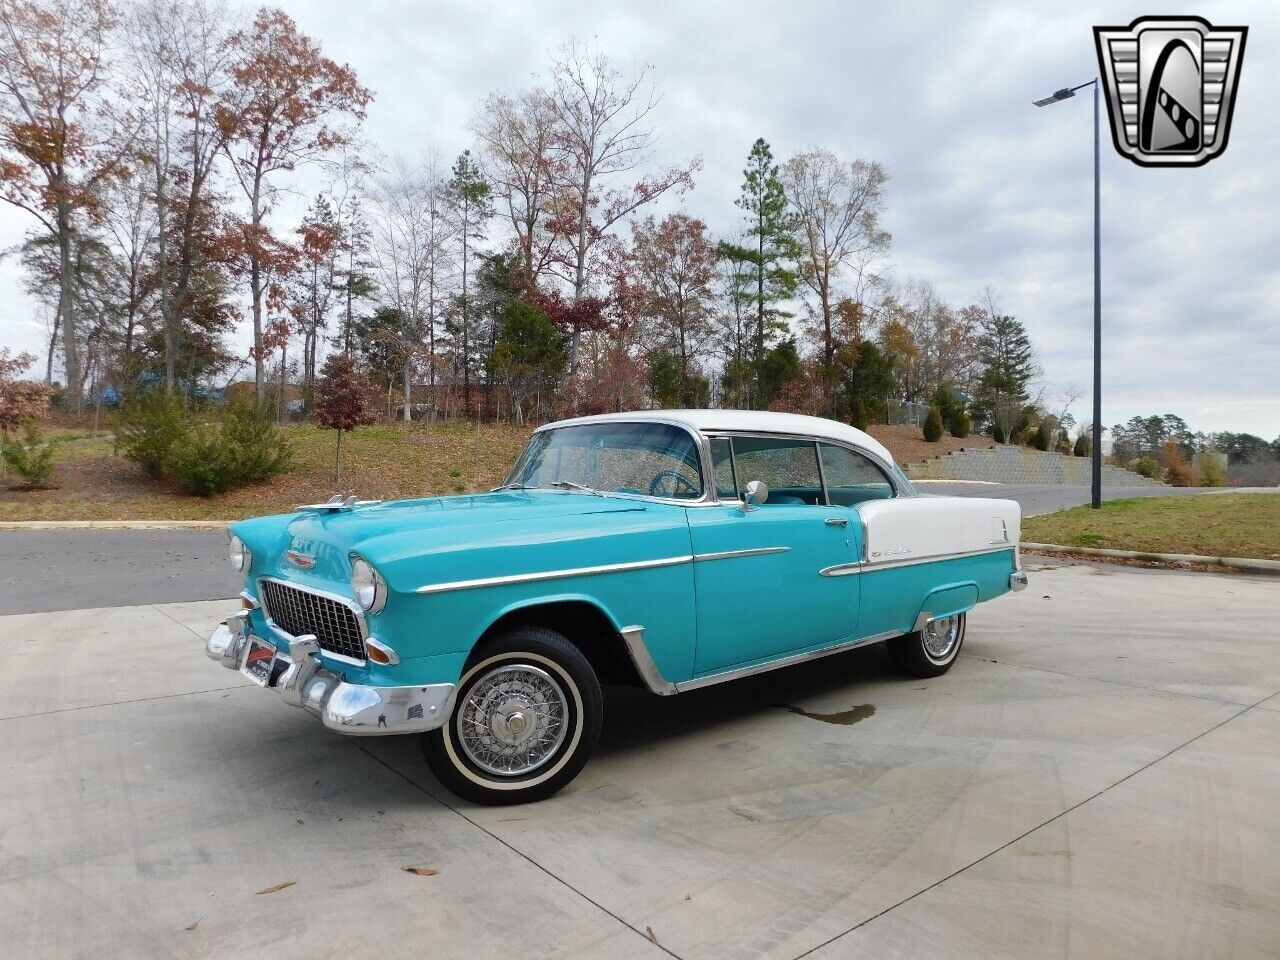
1246,564
114,524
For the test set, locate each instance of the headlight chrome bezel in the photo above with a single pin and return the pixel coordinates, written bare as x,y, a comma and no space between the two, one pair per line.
240,555
367,586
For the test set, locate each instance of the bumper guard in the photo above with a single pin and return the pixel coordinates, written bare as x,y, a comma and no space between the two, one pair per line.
350,708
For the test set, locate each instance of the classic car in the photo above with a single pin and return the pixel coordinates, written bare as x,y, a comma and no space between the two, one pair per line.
672,550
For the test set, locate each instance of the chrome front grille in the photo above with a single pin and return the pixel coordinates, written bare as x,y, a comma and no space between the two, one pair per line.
335,624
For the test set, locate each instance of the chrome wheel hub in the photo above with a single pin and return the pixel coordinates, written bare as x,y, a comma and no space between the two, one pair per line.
941,636
513,720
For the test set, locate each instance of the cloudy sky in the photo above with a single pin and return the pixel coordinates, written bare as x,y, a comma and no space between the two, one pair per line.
985,189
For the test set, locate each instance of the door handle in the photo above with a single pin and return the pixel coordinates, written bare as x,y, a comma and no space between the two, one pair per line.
837,521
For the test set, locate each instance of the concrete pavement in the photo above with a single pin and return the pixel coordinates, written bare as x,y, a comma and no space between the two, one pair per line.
1098,776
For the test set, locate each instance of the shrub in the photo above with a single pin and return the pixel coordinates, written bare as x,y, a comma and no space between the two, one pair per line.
31,458
246,448
1209,469
858,416
1146,466
933,425
1041,439
149,426
1177,471
998,434
1083,446
1063,445
960,425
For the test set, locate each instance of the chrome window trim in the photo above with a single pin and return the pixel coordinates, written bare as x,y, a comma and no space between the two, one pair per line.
888,469
633,637
347,601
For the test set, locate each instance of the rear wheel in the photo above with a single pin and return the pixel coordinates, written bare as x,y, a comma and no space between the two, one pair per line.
929,651
526,719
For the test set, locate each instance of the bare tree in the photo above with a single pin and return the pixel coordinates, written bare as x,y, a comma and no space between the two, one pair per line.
838,207
517,134
603,130
177,71
411,237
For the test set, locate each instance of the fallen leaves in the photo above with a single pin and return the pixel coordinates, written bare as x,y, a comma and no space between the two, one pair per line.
652,936
276,888
193,924
421,871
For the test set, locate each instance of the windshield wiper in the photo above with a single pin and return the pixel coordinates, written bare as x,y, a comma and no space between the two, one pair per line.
513,486
570,485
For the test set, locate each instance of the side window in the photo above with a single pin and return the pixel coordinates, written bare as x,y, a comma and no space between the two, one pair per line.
788,467
852,477
722,463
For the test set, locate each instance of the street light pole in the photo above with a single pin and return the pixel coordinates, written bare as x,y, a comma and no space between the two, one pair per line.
1096,446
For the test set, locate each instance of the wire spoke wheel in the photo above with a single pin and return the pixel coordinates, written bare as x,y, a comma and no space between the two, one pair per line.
514,720
941,636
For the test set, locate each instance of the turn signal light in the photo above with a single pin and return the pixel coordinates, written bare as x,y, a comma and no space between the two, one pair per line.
380,653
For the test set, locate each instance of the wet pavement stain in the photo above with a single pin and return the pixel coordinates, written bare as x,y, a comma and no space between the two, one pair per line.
844,718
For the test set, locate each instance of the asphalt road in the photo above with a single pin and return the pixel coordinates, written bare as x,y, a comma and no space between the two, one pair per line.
72,569
1097,777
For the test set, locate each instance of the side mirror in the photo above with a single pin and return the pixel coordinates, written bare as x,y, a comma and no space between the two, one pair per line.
755,493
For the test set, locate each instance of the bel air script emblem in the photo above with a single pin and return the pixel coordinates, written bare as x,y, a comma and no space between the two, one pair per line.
300,559
1171,86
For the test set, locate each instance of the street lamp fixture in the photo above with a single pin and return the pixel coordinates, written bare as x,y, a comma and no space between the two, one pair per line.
1066,93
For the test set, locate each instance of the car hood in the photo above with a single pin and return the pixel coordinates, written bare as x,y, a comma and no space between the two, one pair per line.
315,545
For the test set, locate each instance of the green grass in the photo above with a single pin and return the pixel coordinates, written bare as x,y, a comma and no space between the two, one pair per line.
1211,525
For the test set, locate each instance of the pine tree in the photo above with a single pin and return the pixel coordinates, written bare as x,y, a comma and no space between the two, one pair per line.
1008,361
471,203
769,249
933,425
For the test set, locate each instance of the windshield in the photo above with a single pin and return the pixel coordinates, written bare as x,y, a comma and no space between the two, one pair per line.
650,459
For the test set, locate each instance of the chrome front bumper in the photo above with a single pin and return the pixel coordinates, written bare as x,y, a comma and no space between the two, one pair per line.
1017,580
350,708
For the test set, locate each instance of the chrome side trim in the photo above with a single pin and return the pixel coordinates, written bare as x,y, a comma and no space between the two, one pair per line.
872,566
734,554
841,569
552,575
633,637
735,674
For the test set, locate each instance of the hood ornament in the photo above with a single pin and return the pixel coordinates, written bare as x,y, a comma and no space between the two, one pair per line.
337,503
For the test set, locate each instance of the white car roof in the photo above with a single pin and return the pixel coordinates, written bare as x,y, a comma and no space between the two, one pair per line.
746,421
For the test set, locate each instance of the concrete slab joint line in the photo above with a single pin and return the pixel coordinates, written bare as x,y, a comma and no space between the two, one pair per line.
1248,564
1056,817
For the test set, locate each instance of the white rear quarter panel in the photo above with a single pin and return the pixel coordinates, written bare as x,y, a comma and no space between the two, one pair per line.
918,528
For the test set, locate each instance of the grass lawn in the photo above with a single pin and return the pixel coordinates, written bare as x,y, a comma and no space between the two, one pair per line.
379,462
1211,525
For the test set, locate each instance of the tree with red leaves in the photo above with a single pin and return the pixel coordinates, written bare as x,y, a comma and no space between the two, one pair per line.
285,108
340,401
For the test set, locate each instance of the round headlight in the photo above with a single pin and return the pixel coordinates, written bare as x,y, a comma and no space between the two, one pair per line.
240,556
367,586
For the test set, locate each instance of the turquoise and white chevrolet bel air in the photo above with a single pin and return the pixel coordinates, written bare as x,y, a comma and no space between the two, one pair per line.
672,549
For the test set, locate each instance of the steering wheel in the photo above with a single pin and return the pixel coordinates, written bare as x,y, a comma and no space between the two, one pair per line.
680,484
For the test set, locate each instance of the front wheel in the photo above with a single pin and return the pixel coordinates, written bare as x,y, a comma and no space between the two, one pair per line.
929,651
526,718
